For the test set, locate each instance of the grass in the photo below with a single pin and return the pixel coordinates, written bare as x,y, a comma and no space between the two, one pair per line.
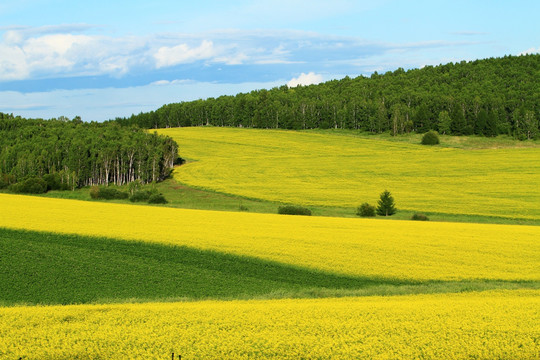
48,268
182,196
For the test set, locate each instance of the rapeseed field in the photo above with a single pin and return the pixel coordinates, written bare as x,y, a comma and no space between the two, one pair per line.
259,269
488,325
374,248
333,170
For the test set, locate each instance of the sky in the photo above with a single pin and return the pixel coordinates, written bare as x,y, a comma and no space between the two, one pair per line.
106,59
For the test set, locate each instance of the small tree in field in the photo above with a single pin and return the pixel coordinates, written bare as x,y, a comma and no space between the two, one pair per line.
386,205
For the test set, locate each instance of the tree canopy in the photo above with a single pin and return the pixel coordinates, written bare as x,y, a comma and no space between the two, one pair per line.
483,97
83,153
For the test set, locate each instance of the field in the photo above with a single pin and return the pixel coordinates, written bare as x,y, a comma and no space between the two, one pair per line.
397,249
489,325
326,169
101,280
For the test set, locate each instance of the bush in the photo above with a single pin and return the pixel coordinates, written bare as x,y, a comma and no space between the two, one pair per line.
32,185
54,182
365,210
419,217
106,193
141,195
294,210
157,199
430,138
94,192
135,186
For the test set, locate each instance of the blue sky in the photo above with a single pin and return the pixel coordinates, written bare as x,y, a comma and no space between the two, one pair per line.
104,59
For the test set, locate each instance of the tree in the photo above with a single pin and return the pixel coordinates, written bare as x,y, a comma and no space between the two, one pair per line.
444,122
386,205
530,125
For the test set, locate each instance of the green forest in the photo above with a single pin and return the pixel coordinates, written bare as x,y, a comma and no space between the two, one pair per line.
66,154
482,97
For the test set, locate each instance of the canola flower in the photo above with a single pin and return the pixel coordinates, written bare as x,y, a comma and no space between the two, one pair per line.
489,325
333,170
361,247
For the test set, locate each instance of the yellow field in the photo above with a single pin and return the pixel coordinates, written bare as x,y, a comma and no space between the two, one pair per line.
333,170
374,248
490,325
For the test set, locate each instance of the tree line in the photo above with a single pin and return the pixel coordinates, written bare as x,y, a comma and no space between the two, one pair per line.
82,154
483,97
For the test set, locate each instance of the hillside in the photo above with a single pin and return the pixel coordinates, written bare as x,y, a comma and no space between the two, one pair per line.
484,97
336,170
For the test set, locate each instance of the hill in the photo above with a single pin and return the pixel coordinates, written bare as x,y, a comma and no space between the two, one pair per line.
484,97
344,170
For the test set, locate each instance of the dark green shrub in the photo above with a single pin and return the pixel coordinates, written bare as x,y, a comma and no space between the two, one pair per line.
157,199
242,207
141,195
54,182
430,138
294,210
419,217
106,193
386,205
365,210
32,185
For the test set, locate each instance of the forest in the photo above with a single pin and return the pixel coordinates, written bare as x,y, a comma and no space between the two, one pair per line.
74,153
482,97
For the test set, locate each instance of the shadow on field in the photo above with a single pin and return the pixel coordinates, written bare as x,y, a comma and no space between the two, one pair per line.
46,268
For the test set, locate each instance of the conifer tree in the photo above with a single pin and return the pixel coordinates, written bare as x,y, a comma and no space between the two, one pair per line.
386,205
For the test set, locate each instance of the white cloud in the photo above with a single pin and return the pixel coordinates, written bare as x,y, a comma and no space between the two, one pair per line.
62,51
305,79
531,51
12,63
182,53
23,55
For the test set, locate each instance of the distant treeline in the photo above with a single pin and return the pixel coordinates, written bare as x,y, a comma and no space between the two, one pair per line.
483,97
80,154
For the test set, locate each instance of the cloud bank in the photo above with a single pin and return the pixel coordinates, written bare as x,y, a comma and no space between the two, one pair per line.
72,51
